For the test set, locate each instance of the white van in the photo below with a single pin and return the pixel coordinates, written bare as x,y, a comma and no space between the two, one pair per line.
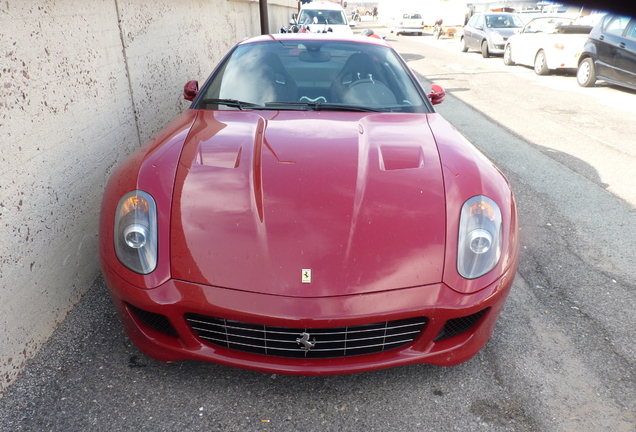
319,17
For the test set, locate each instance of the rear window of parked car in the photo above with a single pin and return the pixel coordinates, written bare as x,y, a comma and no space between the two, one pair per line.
617,25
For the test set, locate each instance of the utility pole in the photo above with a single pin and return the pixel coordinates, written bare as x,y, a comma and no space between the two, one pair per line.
262,6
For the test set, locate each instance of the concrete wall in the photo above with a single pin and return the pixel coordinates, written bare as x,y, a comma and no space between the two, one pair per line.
83,83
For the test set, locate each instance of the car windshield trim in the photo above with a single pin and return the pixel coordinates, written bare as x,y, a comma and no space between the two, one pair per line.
292,106
232,102
321,106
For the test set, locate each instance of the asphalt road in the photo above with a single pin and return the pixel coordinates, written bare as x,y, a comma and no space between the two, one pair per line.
562,357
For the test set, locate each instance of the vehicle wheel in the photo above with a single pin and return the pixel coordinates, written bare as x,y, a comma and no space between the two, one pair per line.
507,58
540,64
464,47
419,33
586,75
484,49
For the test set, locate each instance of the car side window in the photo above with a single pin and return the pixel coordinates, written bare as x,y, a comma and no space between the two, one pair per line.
480,21
472,21
632,32
617,25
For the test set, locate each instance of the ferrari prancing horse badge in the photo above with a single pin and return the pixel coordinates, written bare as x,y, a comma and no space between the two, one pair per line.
305,276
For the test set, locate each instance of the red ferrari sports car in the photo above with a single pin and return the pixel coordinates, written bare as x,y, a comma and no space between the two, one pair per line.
310,213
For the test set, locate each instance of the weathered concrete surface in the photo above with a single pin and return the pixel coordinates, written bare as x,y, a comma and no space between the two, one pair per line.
83,84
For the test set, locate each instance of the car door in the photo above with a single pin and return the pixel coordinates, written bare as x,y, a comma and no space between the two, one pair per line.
523,47
625,59
608,44
478,32
469,30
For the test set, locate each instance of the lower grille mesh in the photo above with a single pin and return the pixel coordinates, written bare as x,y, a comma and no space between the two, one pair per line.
456,326
288,342
154,320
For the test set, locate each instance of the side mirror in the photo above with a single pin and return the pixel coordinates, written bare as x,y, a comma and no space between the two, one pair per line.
352,23
437,94
191,90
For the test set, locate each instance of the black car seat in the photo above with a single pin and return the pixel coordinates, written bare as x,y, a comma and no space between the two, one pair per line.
277,81
358,67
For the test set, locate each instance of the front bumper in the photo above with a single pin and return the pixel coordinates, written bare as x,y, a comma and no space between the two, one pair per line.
496,48
438,303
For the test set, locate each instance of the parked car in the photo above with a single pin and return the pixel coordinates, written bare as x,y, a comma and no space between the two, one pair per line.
610,53
310,213
323,17
407,23
488,32
547,43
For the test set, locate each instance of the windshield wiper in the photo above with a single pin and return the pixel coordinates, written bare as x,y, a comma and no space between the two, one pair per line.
320,106
233,103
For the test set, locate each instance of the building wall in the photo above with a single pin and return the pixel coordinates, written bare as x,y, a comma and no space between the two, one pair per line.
82,85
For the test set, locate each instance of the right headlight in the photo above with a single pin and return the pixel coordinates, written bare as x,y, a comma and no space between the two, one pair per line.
479,242
136,232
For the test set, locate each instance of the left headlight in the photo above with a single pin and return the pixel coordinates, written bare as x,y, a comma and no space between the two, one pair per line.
136,232
479,242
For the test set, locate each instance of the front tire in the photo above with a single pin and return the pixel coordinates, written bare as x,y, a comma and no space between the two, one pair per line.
540,64
464,46
586,75
507,57
484,49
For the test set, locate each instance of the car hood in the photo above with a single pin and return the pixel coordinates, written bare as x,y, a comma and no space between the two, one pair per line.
505,32
308,204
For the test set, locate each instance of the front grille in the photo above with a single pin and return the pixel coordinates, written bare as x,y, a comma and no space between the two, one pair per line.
456,326
287,342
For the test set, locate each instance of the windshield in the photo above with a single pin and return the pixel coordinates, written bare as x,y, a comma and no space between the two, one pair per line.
335,17
324,75
547,25
503,21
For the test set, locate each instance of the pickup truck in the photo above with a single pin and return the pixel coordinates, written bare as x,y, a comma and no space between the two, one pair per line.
547,43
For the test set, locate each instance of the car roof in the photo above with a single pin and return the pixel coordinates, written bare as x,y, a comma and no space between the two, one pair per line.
497,13
553,17
314,37
322,5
